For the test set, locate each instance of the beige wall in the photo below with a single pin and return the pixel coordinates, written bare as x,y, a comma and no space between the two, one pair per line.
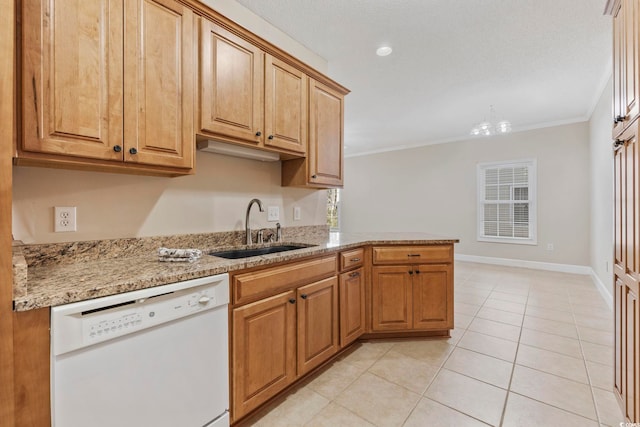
602,189
433,189
114,205
252,22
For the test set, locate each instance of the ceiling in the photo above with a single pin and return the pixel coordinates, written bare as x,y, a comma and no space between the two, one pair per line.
538,62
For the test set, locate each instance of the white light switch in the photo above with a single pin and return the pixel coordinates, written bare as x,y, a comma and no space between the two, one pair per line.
273,213
296,213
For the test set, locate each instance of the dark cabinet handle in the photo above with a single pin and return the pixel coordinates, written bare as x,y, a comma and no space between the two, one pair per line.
292,300
619,119
411,272
355,260
355,274
617,144
303,296
417,271
132,150
117,148
258,133
270,137
314,176
413,255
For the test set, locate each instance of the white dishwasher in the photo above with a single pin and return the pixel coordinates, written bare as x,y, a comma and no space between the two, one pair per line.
156,357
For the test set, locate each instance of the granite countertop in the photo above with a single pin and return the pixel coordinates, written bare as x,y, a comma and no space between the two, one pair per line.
52,284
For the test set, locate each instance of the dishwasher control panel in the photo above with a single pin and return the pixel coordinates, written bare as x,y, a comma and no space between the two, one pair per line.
103,319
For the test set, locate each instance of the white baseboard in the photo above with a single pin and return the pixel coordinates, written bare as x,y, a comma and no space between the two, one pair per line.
549,266
606,293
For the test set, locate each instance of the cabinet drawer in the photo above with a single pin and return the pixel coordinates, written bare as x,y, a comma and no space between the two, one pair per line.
352,258
413,254
262,283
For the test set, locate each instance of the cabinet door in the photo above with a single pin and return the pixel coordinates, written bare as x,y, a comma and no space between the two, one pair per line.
325,155
352,306
391,298
317,323
263,351
619,69
433,297
231,85
159,83
285,106
632,356
72,77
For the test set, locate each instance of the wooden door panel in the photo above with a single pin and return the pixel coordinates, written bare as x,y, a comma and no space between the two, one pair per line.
352,306
391,298
317,323
72,77
630,371
620,333
231,85
619,69
432,297
159,83
631,210
326,135
631,59
263,351
286,106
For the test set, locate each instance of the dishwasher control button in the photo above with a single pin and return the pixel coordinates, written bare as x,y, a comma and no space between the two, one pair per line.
204,300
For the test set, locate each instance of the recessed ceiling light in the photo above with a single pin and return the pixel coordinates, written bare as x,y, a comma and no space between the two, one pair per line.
384,51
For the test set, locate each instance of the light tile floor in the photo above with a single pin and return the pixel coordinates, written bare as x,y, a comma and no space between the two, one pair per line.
530,348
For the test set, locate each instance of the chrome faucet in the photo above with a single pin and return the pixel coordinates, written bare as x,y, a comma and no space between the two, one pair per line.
246,220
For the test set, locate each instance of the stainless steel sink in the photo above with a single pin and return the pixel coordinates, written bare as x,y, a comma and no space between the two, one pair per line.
249,252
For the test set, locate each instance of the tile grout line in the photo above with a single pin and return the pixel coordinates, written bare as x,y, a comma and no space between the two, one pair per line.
513,367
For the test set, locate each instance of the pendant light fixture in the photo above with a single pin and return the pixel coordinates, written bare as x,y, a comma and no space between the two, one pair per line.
491,127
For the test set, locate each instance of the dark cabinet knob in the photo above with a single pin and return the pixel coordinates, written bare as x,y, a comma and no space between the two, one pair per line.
356,274
617,144
270,137
292,300
619,119
417,271
411,272
117,148
132,150
258,133
314,176
303,296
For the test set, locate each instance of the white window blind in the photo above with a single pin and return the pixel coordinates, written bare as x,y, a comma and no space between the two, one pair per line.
506,202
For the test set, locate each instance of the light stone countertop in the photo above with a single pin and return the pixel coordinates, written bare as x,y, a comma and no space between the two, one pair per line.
56,284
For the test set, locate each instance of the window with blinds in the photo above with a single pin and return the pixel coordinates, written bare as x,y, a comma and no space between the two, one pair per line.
506,202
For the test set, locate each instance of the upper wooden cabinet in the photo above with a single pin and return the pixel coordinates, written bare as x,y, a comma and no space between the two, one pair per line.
323,166
626,81
248,96
108,82
286,106
231,86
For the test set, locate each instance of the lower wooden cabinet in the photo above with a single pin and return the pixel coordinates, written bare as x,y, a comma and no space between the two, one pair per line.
352,306
278,339
317,323
627,349
412,297
263,351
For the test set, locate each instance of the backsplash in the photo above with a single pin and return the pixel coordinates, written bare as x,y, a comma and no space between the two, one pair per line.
72,252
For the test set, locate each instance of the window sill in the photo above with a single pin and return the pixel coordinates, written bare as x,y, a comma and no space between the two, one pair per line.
509,241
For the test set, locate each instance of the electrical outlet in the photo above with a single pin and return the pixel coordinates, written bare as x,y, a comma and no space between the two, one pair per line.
550,246
296,213
64,219
273,213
